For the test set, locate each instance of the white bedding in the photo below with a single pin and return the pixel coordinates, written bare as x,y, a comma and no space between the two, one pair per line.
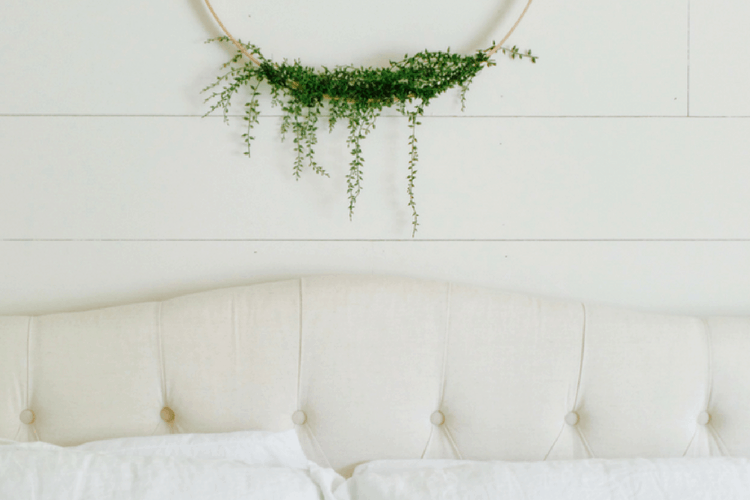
633,479
262,465
275,449
239,465
45,472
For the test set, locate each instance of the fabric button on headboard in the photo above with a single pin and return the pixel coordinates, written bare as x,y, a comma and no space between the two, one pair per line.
370,367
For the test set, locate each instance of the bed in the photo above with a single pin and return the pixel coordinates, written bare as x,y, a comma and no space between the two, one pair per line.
380,368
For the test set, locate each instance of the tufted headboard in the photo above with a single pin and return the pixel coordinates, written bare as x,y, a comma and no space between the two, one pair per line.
381,367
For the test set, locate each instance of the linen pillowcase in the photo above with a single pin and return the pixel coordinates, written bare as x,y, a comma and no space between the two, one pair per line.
719,478
47,472
273,449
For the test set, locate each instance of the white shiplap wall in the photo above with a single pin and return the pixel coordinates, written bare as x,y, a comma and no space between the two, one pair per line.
614,170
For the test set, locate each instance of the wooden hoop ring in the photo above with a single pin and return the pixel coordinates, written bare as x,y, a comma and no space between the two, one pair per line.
247,54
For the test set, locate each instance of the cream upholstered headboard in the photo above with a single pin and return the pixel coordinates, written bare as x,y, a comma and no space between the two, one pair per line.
381,367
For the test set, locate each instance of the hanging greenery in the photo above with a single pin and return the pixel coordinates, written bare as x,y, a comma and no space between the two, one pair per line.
356,95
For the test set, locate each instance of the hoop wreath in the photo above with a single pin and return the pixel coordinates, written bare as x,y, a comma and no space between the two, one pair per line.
354,95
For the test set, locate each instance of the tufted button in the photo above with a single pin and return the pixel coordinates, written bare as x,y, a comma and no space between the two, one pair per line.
299,417
704,418
571,418
167,414
437,418
27,417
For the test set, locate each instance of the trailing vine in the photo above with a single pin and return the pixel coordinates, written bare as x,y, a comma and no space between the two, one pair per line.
356,95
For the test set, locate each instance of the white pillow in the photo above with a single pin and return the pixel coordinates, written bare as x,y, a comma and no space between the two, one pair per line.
274,449
631,479
46,472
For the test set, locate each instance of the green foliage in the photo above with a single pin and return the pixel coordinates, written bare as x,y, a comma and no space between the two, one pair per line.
351,94
514,52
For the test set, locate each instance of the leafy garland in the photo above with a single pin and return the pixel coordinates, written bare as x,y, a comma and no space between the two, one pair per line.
357,95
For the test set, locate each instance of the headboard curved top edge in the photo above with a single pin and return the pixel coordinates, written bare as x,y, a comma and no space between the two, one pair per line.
369,367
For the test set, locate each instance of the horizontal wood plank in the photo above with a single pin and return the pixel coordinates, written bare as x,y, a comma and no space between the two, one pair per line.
700,278
719,50
149,58
478,178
